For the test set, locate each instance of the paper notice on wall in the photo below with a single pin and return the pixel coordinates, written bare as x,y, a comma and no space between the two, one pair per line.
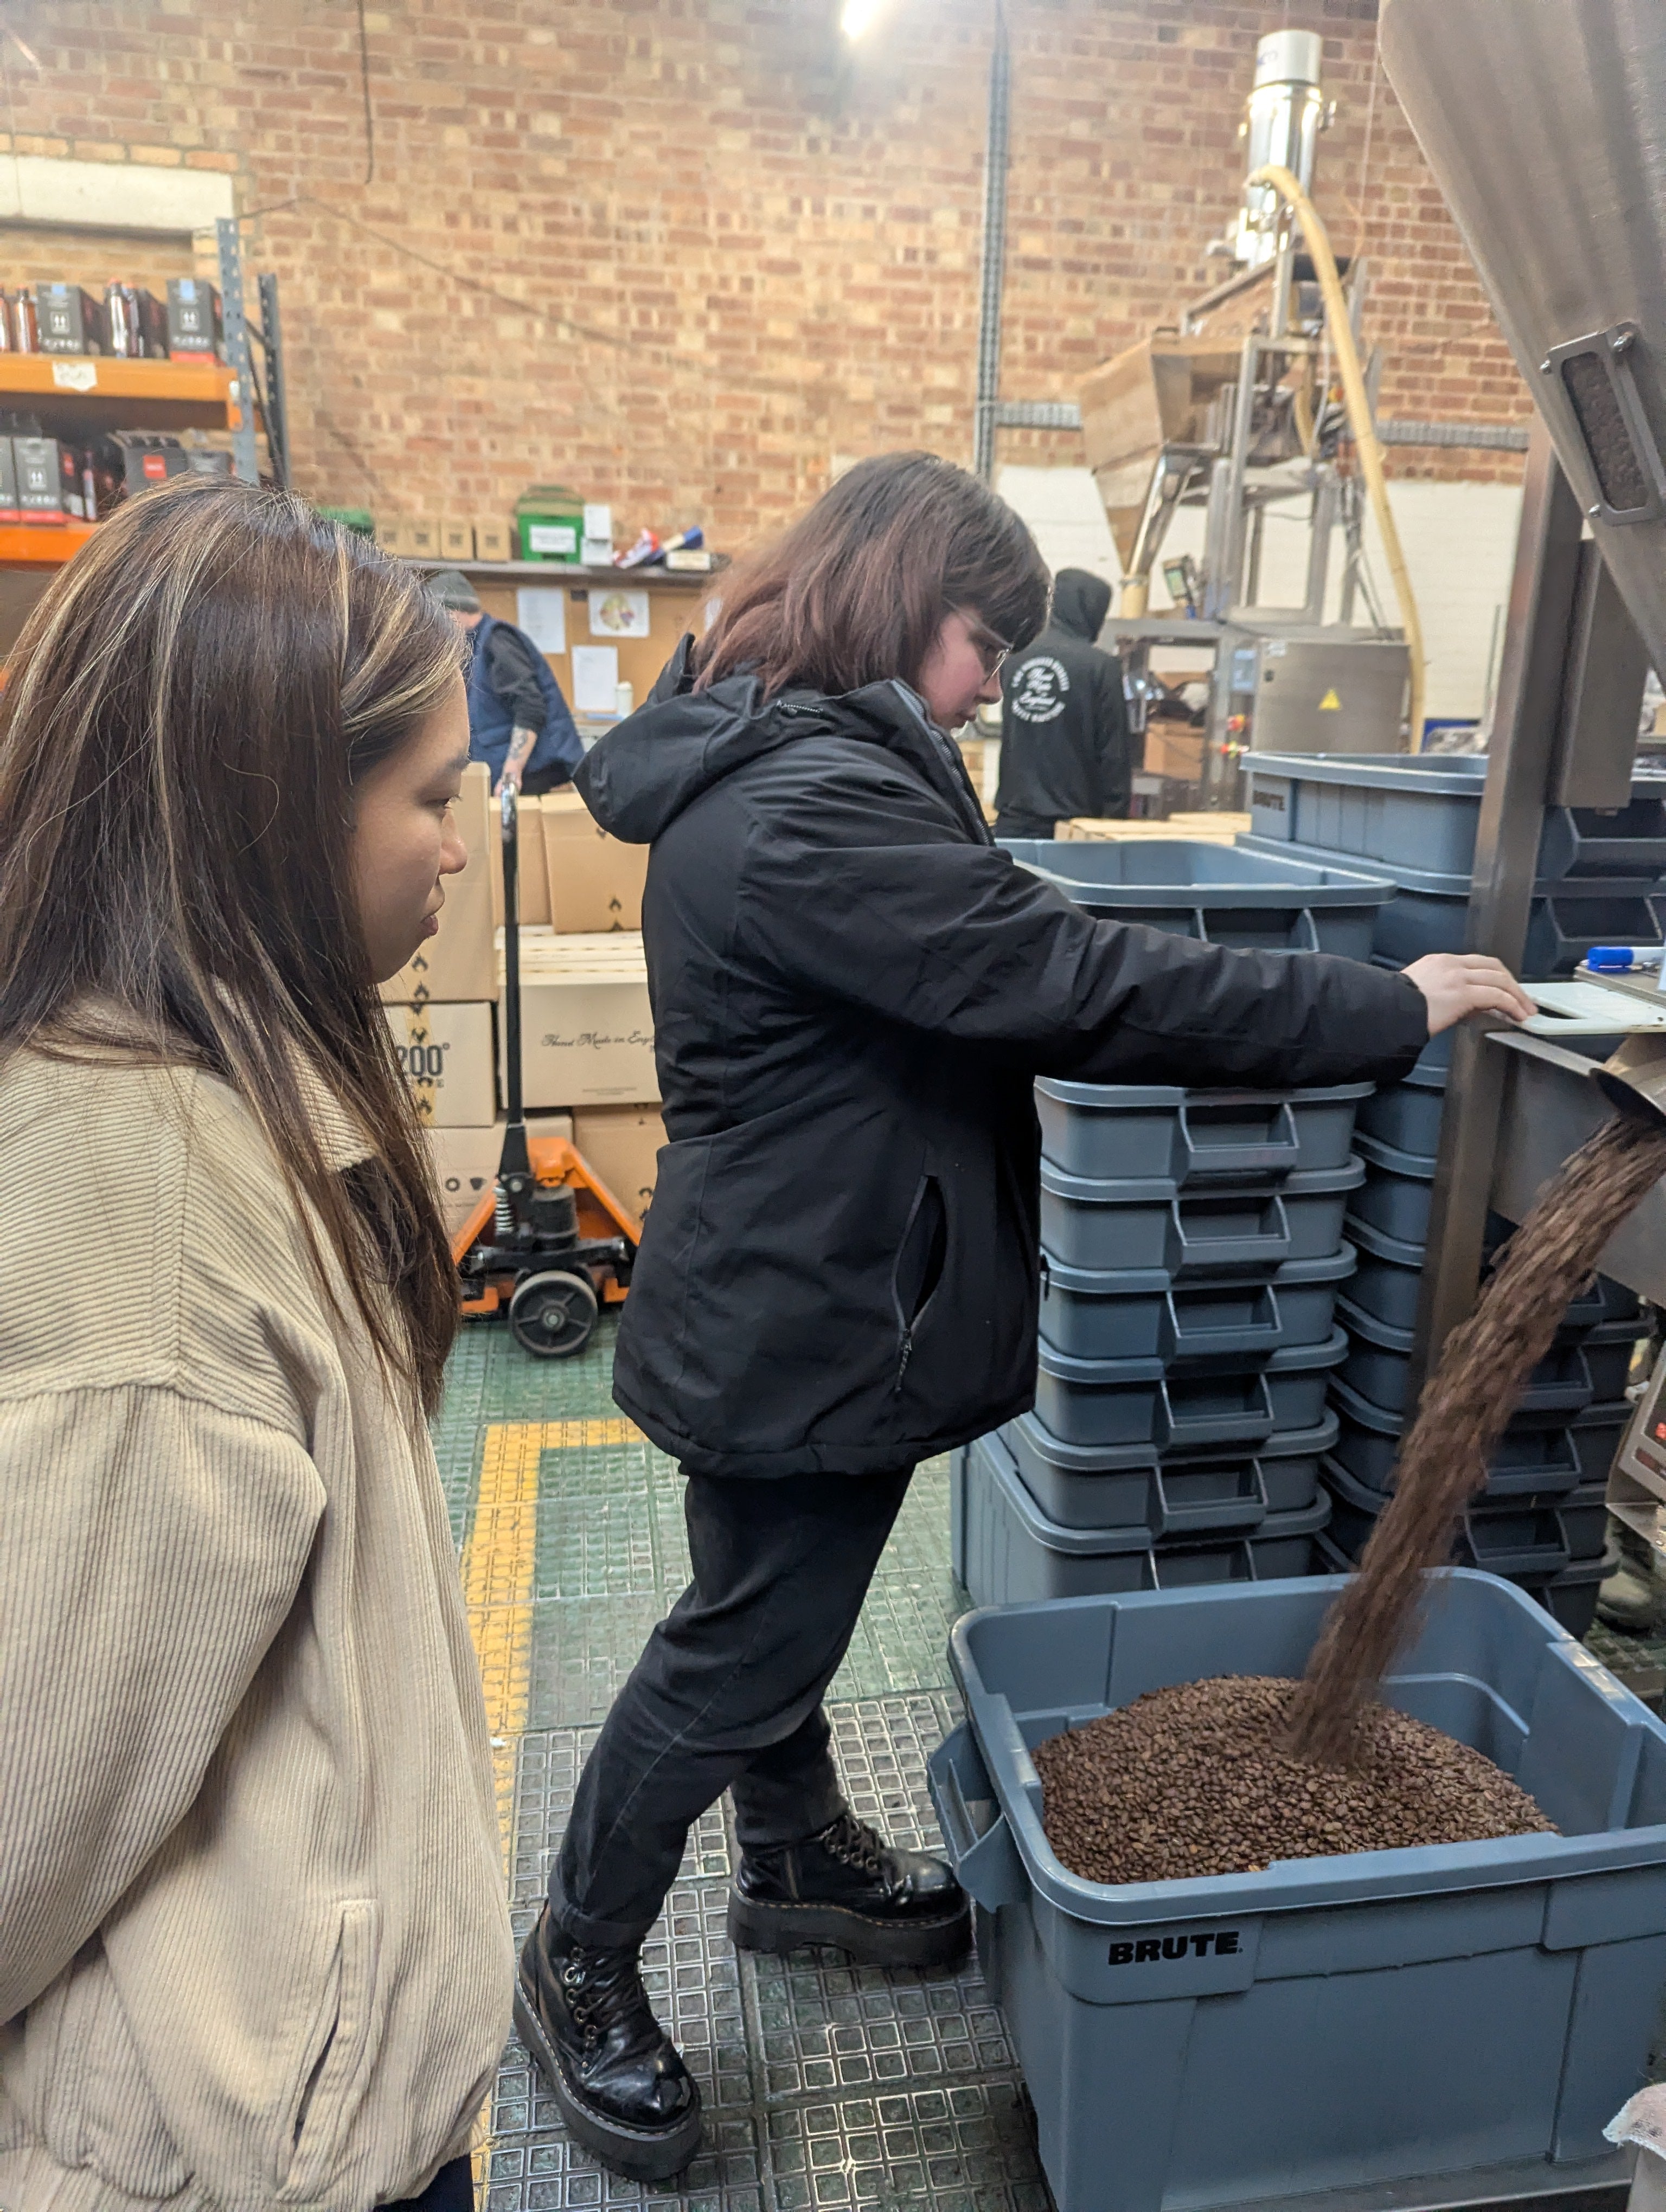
595,679
542,613
618,614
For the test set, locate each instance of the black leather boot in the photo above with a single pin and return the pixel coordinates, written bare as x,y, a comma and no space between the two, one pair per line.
623,2088
847,1886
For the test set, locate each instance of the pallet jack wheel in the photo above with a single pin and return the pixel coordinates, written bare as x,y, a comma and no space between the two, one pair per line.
552,1315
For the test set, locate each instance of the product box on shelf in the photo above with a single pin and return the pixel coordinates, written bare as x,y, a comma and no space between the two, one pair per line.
39,466
456,539
9,510
422,539
492,541
445,1053
68,319
459,962
622,1144
586,1024
549,524
595,881
135,323
393,535
193,319
149,457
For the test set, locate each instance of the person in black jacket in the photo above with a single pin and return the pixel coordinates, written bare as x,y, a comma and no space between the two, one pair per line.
853,991
1065,747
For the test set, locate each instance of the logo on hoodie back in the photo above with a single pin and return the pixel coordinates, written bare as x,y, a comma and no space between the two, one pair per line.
1040,689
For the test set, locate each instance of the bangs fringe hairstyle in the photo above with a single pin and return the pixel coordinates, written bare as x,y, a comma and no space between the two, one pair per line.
184,719
856,590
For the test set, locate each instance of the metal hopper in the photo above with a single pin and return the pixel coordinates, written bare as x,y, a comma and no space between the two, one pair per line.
1545,125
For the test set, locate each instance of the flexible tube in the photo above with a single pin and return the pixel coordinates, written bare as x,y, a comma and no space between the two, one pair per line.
1359,418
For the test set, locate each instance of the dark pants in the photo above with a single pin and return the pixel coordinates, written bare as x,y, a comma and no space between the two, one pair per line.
727,1694
452,2189
538,781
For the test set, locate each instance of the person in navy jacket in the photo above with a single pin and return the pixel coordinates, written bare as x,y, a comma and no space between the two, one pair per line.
518,723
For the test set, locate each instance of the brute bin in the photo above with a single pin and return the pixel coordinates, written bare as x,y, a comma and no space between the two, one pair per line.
1471,2012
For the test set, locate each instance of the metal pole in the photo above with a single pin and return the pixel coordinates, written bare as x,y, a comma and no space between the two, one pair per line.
277,417
1520,760
1231,585
244,459
994,271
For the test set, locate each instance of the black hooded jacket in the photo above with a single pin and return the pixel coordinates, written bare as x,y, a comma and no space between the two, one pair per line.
1065,747
853,990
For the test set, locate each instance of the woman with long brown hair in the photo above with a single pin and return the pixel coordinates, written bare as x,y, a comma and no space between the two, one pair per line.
853,991
253,1946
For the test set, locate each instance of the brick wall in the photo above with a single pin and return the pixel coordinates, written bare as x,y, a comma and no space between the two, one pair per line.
686,254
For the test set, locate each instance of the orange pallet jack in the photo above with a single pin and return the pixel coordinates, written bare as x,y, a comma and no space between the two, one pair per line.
549,1244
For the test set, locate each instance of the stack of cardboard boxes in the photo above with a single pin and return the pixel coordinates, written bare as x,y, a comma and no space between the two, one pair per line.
586,1030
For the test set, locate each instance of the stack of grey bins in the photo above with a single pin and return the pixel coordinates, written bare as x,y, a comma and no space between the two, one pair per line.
1602,880
1192,1254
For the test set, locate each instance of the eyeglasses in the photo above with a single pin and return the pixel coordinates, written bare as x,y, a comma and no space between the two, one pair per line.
991,650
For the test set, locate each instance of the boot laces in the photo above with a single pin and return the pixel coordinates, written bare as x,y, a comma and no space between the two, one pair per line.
604,1990
855,1844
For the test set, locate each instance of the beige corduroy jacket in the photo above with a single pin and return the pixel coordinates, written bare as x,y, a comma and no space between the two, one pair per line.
254,1950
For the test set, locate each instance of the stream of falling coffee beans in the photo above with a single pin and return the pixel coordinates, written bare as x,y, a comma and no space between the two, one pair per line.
1463,1412
1227,1775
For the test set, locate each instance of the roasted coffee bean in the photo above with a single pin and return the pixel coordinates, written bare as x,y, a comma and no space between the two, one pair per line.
1463,1410
1196,1780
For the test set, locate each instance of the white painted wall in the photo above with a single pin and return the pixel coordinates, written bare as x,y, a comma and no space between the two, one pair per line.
135,196
1459,542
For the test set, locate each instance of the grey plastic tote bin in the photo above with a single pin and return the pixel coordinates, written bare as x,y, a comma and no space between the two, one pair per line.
1388,1271
1328,2023
1379,1362
1509,1536
1570,1599
1594,1436
1219,894
1429,913
1168,1494
1144,1316
1006,1550
1179,1138
1536,1456
1137,1402
1398,1192
1407,1115
1115,1227
1607,1349
1420,811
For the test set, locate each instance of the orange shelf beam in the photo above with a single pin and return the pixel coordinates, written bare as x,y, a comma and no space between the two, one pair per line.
66,376
42,545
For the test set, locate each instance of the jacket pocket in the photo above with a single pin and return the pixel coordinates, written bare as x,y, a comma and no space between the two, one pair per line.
918,1267
335,2064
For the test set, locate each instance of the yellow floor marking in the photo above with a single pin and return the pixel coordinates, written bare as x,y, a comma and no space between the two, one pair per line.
499,1562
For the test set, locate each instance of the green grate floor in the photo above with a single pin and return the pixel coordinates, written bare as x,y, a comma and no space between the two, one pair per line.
824,2085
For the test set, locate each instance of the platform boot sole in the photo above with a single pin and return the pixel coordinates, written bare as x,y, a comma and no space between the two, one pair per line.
757,1924
639,2154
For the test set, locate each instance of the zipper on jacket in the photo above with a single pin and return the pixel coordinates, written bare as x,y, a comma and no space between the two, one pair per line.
926,1288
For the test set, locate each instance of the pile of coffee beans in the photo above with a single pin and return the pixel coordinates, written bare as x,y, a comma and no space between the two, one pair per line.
1197,1780
1463,1410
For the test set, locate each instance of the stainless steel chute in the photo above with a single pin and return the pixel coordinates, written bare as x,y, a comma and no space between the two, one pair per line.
1545,125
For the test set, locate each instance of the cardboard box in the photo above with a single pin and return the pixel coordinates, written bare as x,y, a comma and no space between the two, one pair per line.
595,882
622,1144
533,875
393,536
1172,750
491,540
422,539
459,962
456,540
586,1028
445,1052
466,1161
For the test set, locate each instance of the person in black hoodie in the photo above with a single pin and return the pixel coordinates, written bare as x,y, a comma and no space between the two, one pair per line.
853,991
1065,747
